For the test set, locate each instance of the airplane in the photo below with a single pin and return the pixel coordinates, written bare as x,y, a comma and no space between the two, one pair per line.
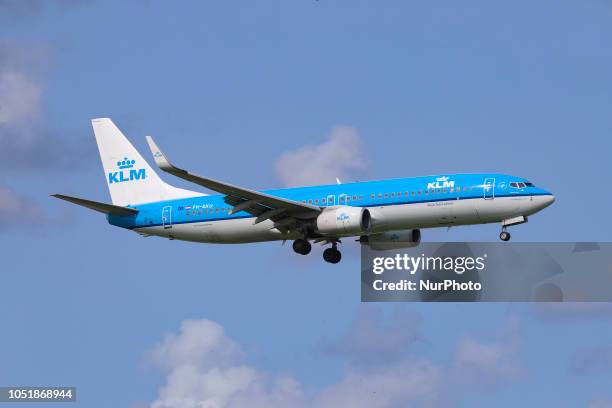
383,214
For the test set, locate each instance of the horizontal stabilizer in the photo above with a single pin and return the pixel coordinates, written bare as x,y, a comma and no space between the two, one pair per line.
101,207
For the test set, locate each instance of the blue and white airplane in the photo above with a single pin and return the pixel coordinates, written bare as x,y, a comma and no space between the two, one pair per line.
383,214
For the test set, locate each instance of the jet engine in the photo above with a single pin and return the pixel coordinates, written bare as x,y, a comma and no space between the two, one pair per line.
343,221
392,239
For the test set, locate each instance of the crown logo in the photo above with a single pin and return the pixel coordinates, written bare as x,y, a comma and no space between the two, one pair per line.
443,178
126,163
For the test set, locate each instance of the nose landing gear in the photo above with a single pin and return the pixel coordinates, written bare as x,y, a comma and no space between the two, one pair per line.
504,235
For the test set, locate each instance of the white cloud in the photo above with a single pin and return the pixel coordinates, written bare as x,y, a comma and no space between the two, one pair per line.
16,209
572,311
601,402
414,382
341,155
368,340
27,142
201,342
12,11
486,364
592,361
206,368
20,98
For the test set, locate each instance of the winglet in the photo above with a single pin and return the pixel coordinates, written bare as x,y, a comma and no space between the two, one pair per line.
160,158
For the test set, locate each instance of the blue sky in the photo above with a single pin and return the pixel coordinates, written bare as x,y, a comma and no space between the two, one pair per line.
229,88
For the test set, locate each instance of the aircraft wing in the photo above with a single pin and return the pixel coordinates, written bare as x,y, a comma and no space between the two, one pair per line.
263,206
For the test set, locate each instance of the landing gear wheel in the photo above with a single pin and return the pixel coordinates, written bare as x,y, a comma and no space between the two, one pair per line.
332,255
504,236
302,246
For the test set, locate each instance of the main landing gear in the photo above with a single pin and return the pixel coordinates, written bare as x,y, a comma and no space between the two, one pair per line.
302,246
331,255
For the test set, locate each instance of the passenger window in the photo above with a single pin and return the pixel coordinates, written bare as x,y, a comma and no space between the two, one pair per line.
412,193
372,196
309,201
379,195
323,200
386,195
360,198
392,195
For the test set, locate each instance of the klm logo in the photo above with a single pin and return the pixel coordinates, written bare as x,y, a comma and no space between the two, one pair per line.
126,172
343,217
441,182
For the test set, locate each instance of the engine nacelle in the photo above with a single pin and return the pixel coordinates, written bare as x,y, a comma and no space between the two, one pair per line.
393,239
343,220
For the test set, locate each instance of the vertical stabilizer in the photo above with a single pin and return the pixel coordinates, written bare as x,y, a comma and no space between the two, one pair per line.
129,177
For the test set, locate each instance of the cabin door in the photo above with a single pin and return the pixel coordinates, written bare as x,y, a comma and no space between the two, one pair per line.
167,216
489,188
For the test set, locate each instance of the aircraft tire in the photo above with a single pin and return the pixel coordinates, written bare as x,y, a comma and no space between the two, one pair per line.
332,255
302,246
504,236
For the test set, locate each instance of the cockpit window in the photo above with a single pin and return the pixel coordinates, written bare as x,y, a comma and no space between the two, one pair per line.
515,185
521,185
529,184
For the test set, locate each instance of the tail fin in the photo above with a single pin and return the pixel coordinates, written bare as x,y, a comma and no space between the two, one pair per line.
129,177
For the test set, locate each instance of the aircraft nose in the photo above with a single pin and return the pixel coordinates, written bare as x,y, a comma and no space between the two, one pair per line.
546,201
